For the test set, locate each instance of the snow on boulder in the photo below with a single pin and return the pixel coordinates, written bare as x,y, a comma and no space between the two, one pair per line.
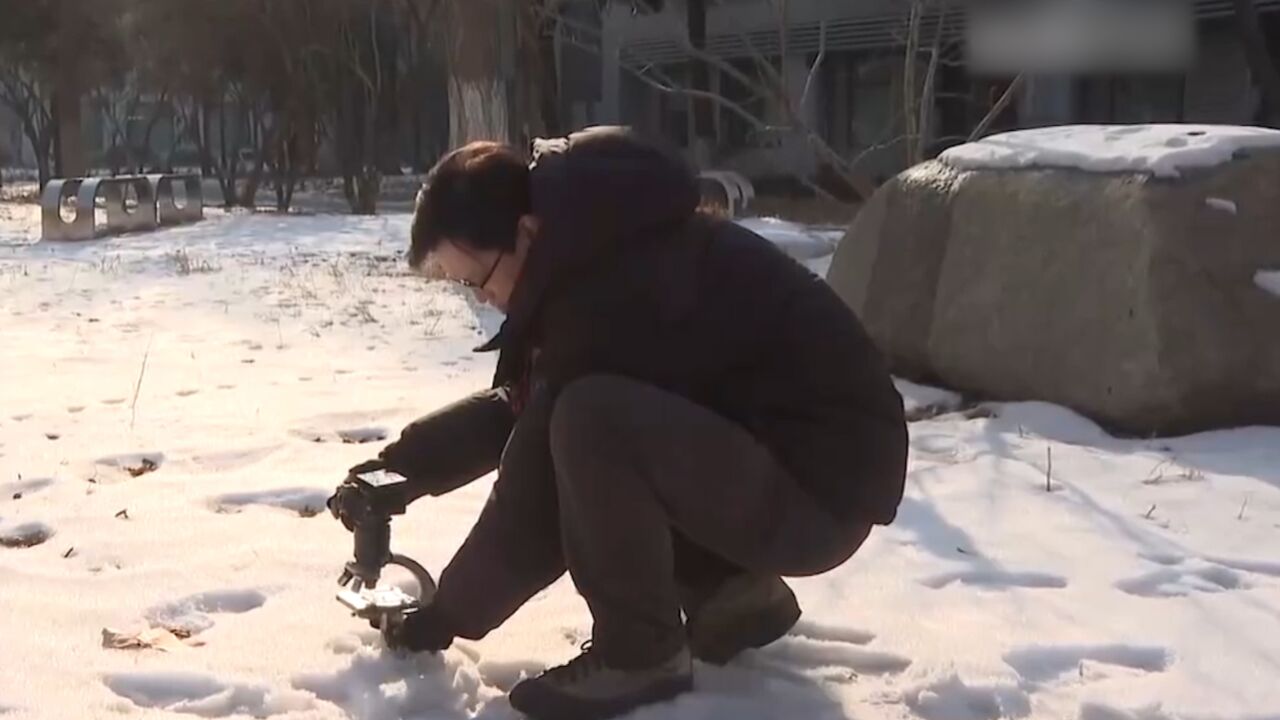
1123,294
1269,281
1163,149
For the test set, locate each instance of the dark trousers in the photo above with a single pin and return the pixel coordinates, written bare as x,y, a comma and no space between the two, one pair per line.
639,494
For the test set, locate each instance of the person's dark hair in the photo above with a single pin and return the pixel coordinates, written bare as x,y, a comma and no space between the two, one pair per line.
476,194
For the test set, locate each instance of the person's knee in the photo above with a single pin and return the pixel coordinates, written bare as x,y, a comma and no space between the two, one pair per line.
589,417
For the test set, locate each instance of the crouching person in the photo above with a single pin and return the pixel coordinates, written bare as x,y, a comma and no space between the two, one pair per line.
681,416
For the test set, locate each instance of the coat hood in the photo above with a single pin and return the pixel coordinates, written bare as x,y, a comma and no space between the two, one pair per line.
595,192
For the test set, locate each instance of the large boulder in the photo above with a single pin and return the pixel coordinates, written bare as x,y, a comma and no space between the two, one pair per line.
1130,295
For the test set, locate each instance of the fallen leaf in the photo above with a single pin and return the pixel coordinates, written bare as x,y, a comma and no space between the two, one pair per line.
147,466
161,639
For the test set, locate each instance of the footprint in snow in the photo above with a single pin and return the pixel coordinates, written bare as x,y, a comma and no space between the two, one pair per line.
995,580
347,436
1101,711
74,409
841,660
1181,581
952,699
23,488
190,615
113,401
205,695
134,464
21,418
24,535
1038,664
306,502
399,686
1180,576
831,633
186,392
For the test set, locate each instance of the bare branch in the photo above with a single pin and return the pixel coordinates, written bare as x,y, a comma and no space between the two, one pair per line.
817,63
999,107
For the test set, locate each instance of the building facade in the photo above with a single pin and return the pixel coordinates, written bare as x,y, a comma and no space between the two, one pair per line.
618,59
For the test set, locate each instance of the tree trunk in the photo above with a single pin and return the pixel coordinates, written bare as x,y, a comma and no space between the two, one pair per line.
369,179
477,84
202,140
1261,66
71,154
910,100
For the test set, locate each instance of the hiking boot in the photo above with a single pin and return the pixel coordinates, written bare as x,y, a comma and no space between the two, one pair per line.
744,612
587,689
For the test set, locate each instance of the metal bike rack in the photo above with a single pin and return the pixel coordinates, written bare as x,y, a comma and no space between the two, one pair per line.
52,226
738,191
167,210
156,205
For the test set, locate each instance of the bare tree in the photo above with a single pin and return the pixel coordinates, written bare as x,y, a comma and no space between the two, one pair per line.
21,93
478,104
48,54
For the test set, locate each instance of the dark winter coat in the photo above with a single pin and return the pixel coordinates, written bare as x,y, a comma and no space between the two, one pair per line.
626,278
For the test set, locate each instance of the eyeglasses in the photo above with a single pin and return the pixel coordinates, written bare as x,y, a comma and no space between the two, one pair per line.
487,276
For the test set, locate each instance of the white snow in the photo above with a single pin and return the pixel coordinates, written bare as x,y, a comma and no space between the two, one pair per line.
1146,584
1161,149
798,241
1268,280
1227,206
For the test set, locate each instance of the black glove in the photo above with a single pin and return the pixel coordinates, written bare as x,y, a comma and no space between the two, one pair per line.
417,630
353,501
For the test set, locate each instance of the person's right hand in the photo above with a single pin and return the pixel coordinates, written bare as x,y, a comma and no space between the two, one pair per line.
417,630
351,502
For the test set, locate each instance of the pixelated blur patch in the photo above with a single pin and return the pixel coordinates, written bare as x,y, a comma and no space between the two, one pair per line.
1080,36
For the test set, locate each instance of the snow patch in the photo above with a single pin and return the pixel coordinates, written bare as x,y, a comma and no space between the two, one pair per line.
832,633
385,685
204,695
996,580
1221,204
307,502
346,436
1160,149
1268,280
802,651
1039,663
135,464
795,240
1099,711
1179,582
952,699
920,401
23,488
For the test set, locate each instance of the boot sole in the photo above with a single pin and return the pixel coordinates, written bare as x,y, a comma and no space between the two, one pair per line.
544,707
717,645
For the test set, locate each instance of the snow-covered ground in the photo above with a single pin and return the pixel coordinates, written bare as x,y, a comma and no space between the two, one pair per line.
1160,149
176,406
